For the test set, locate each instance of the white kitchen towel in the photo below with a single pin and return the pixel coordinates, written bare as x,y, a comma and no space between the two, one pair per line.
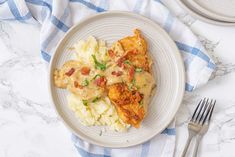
57,16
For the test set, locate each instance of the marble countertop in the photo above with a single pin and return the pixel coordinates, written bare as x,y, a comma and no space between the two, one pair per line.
29,126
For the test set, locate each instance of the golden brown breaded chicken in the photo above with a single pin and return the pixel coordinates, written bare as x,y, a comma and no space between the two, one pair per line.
138,60
127,103
135,42
134,49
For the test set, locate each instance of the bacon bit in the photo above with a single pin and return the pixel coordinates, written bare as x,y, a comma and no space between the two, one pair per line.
111,53
136,117
139,96
118,73
125,66
101,81
70,72
120,61
77,85
85,70
131,73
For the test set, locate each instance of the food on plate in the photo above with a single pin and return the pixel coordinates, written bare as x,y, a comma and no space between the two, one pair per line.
108,86
97,112
77,78
128,103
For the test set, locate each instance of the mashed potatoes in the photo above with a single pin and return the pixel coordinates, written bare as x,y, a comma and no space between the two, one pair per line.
86,48
99,112
96,113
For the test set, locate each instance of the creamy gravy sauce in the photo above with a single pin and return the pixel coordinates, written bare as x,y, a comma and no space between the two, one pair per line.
143,81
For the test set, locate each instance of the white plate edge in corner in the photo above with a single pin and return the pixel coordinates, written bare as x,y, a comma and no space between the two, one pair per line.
202,18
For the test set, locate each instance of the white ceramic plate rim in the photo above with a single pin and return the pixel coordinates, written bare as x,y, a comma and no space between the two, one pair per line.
202,18
178,58
207,13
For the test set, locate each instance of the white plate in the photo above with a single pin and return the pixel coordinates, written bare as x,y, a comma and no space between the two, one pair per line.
168,69
199,16
214,9
225,8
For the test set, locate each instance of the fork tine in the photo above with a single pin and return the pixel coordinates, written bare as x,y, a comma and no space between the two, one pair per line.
205,110
195,111
199,113
212,110
209,112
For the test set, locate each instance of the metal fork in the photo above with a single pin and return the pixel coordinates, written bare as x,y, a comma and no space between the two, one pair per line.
199,122
205,127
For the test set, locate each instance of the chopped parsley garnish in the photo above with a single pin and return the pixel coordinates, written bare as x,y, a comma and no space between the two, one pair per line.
85,102
141,103
97,75
85,83
98,65
138,69
130,87
133,81
95,99
127,62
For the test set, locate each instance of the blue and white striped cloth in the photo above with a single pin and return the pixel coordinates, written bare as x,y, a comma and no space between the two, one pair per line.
57,16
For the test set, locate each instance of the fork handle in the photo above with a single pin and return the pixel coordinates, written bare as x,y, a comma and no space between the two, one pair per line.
190,136
195,149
